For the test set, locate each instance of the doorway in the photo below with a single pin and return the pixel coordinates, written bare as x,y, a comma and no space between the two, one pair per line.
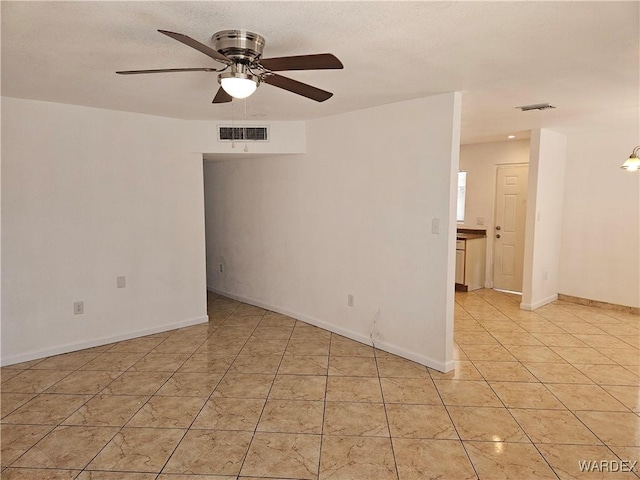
510,221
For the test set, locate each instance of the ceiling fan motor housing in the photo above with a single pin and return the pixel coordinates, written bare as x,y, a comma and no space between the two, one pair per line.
239,45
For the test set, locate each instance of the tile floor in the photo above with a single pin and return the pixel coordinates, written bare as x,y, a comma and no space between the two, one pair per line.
255,394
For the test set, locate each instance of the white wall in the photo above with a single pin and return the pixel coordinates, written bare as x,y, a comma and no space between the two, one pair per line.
353,216
600,257
480,161
0,247
545,194
89,195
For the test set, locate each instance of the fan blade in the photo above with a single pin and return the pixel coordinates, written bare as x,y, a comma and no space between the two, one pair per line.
201,47
222,96
321,61
297,87
164,70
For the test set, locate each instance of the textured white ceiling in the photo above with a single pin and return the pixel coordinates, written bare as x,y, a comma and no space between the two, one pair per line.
582,57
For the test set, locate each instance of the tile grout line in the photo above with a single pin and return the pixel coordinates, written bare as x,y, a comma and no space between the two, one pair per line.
163,383
384,405
324,406
503,309
522,428
142,406
446,409
514,419
93,397
60,424
206,400
266,399
43,392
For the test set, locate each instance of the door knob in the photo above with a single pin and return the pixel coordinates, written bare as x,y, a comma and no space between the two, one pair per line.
498,227
497,235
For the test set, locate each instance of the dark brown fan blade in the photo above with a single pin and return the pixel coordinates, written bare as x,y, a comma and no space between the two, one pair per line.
297,87
222,96
201,47
164,70
321,61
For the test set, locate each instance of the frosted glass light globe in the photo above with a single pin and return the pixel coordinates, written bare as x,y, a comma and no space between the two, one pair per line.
238,87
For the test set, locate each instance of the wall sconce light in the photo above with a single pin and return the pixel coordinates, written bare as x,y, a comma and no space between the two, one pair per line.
632,163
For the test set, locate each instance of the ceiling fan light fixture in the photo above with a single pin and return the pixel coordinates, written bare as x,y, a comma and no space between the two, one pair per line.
238,84
241,52
632,163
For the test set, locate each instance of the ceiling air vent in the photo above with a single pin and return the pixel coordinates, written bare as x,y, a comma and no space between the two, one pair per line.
536,106
255,134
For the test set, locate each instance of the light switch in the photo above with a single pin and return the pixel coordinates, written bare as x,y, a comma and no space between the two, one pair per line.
435,226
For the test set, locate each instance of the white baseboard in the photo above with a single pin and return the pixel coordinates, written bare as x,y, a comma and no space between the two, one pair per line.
72,347
539,303
358,337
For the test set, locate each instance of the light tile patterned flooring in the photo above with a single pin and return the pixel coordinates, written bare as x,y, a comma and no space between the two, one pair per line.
255,394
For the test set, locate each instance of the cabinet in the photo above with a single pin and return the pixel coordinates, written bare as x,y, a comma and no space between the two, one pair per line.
459,266
470,263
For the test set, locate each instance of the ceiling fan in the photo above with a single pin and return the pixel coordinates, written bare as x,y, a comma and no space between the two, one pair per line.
241,53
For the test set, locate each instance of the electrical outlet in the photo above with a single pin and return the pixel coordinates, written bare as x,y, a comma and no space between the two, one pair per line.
479,220
350,300
222,268
121,282
78,308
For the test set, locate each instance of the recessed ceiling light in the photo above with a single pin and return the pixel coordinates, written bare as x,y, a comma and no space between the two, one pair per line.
511,137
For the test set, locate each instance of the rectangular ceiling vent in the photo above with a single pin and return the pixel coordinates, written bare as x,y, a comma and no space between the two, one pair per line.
242,134
536,106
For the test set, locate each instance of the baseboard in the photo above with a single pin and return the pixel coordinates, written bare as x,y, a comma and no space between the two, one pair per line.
72,347
358,337
598,304
539,303
443,367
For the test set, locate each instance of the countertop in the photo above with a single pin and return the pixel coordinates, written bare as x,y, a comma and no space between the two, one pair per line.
470,234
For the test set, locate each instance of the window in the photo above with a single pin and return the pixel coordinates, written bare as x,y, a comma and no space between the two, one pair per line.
462,193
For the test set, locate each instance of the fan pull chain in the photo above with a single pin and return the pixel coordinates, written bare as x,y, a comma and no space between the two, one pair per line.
233,127
246,146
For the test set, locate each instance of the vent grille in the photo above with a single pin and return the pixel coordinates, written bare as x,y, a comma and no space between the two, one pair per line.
536,106
255,134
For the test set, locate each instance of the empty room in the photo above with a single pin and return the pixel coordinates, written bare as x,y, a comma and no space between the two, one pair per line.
314,240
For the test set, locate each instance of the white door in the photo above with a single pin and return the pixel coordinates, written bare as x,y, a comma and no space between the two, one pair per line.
508,241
